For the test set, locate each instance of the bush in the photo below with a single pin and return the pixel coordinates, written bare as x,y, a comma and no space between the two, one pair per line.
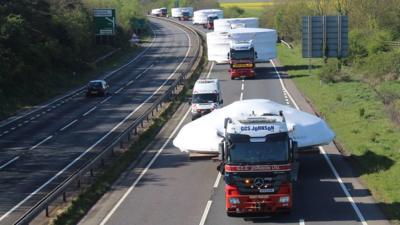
329,72
233,12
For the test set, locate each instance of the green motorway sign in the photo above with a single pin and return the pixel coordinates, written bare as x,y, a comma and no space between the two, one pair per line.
105,22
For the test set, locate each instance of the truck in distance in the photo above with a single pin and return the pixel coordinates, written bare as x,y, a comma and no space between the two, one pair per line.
257,156
242,57
210,21
206,97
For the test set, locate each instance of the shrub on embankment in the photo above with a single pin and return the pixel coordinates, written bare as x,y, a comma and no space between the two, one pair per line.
46,45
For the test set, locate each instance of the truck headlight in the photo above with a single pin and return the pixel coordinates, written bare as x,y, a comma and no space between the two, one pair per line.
284,199
234,201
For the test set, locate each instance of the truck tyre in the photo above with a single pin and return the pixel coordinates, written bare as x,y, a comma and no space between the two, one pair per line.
231,214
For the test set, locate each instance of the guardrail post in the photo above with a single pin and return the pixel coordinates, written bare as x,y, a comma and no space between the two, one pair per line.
129,135
47,211
135,131
91,173
102,161
121,144
79,183
65,196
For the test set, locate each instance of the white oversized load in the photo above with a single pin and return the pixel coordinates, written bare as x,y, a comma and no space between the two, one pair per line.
204,134
200,16
156,12
218,46
222,25
178,12
264,41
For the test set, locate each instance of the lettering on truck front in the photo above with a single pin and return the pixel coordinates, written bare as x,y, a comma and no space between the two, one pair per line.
257,128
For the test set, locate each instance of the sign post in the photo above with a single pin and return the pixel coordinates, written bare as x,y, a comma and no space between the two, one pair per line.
325,36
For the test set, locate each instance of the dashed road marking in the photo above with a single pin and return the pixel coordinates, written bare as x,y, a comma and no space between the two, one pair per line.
12,128
217,180
141,74
87,113
119,90
38,144
108,98
68,125
9,162
205,213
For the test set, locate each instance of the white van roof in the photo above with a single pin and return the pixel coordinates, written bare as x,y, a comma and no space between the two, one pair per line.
203,86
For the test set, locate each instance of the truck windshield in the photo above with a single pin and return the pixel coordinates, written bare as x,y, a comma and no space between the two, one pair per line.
274,150
205,98
242,54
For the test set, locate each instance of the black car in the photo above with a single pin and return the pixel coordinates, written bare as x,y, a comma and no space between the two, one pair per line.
97,88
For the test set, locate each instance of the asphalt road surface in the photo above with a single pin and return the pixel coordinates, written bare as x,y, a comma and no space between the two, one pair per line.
41,147
168,188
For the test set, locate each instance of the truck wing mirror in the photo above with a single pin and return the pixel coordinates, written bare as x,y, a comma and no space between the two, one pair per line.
293,151
221,101
227,120
189,101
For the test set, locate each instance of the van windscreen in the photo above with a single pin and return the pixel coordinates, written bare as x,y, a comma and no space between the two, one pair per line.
205,98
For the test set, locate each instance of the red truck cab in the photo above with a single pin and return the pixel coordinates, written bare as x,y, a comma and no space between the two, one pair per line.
242,58
257,157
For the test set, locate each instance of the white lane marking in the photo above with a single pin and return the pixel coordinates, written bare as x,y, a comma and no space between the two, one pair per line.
340,181
144,171
205,213
283,85
242,91
26,121
6,132
38,144
241,96
211,68
68,125
130,189
12,128
144,71
9,162
328,160
217,180
91,110
129,83
119,90
301,222
97,142
242,86
19,125
108,98
82,89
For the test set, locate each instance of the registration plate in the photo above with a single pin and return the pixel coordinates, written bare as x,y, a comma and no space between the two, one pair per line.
267,190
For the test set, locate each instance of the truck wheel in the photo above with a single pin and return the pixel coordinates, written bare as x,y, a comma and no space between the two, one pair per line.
231,214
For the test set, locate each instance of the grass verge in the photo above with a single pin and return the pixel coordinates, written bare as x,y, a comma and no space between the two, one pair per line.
82,204
357,114
244,9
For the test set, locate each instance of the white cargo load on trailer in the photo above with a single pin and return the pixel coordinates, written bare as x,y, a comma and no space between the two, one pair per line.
155,12
200,16
178,12
218,46
222,25
264,41
204,134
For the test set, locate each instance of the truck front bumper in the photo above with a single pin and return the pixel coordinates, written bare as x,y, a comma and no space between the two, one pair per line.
242,73
263,203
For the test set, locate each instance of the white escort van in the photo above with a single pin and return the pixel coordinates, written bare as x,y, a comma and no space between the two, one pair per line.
206,97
